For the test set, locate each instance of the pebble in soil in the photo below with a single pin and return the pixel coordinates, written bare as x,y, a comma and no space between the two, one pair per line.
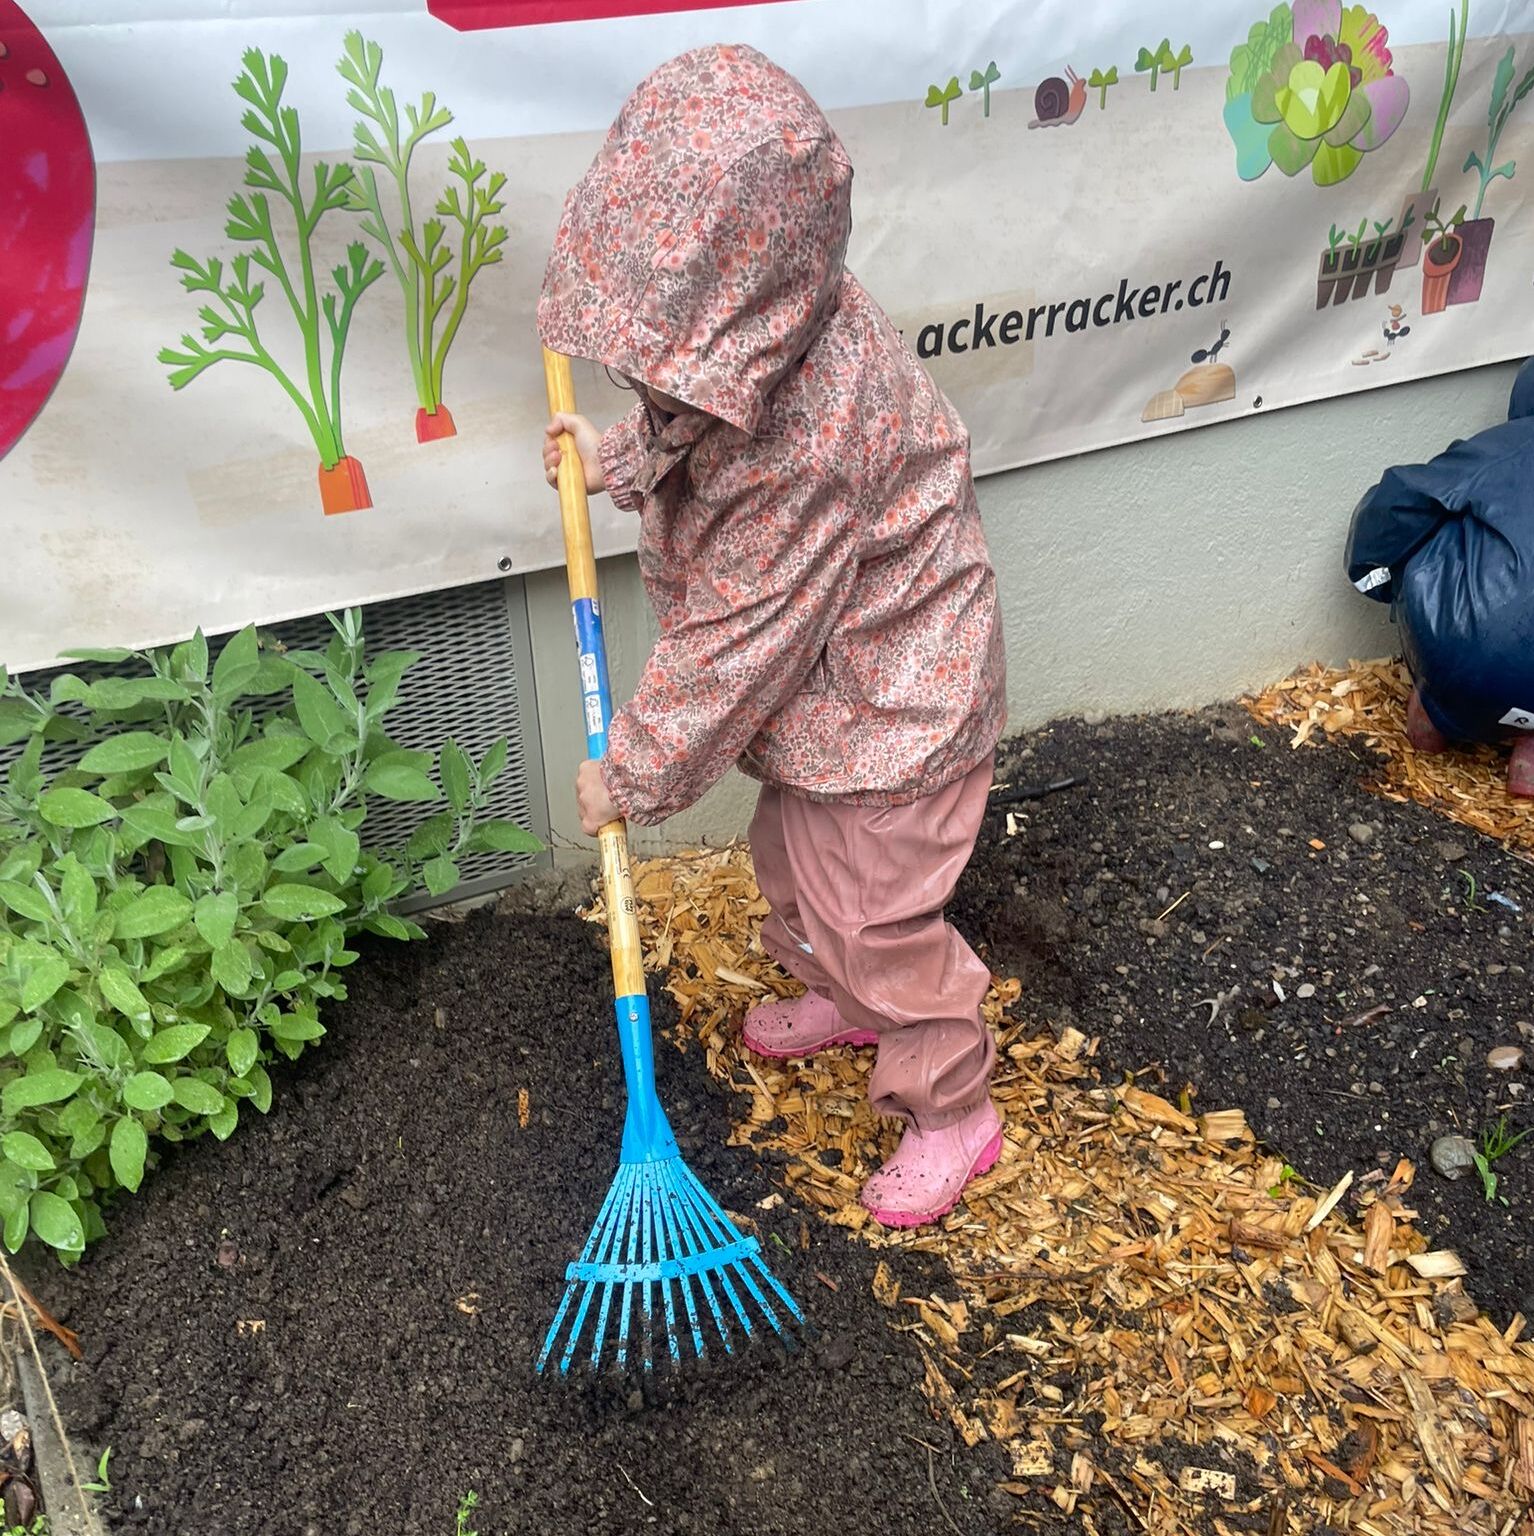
1229,913
329,1322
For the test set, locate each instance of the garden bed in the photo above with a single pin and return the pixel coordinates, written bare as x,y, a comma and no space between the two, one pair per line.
328,1323
1375,973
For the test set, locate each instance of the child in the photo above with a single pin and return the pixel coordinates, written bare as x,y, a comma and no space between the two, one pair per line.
810,538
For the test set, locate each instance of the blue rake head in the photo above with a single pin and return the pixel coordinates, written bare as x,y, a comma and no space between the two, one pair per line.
663,1256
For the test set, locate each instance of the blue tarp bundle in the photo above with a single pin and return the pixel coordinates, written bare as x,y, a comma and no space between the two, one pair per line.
1450,546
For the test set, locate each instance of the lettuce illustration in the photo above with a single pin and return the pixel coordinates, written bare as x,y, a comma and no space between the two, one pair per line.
1318,100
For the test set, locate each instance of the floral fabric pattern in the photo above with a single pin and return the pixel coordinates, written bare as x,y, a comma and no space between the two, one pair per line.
809,533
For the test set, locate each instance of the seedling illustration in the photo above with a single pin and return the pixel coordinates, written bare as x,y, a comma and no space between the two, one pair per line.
984,82
230,330
943,97
1173,63
1154,60
420,255
1100,80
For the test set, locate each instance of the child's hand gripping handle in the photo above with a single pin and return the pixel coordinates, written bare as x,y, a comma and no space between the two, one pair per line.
596,699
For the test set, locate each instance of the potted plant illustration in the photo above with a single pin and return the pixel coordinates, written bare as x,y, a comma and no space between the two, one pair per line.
1442,251
1153,60
1476,231
231,332
1356,276
433,277
1100,80
1331,262
1425,197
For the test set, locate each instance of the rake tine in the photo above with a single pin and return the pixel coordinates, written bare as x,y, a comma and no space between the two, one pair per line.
658,1202
648,1256
698,1244
632,1226
723,1221
715,1238
601,1239
682,1249
571,1286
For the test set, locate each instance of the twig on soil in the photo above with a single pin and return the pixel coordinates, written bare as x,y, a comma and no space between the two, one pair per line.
68,1339
932,1484
1175,905
648,1502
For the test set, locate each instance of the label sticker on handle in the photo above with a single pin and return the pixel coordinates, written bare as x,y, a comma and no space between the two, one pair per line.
1376,578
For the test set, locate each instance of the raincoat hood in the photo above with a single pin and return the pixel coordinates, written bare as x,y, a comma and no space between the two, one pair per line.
1522,403
703,250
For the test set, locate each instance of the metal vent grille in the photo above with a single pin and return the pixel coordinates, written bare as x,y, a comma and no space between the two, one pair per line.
473,683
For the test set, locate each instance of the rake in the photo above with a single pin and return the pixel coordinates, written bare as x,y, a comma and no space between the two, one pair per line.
663,1255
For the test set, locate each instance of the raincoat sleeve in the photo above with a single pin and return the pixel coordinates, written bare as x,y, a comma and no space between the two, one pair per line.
774,568
623,450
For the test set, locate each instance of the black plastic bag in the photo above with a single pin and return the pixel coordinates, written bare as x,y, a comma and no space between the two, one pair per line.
1450,546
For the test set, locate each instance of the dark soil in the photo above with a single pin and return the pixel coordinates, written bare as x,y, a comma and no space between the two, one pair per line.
403,1241
1399,973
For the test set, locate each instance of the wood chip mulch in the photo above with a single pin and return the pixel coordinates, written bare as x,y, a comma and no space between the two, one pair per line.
1162,1324
1368,699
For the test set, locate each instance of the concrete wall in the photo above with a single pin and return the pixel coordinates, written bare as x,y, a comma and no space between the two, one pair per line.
1160,575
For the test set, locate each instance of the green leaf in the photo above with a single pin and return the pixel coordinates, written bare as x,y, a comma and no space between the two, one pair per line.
107,655
164,962
74,808
293,1027
77,893
440,875
107,1044
341,846
25,1033
319,714
215,917
128,753
298,858
224,1122
159,823
199,1097
232,968
389,926
16,1226
25,901
300,903
429,839
395,776
120,990
278,752
261,1085
236,666
157,910
130,1148
457,775
242,1049
146,1091
55,1221
502,837
118,693
175,1043
493,763
47,1087
17,721
46,977
27,1152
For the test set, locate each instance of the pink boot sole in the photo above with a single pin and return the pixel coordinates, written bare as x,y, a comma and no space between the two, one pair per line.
1520,773
851,1037
989,1153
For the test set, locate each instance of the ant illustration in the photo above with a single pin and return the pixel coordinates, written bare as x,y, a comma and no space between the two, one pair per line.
1212,353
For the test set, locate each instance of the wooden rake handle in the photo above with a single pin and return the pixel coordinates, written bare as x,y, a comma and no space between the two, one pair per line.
596,698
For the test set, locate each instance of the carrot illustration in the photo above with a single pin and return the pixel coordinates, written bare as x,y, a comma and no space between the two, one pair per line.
230,330
421,256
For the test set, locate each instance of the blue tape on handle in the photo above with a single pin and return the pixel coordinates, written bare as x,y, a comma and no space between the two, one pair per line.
596,701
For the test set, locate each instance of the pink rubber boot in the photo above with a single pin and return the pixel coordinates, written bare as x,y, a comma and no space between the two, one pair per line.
799,1026
1420,730
1520,772
925,1178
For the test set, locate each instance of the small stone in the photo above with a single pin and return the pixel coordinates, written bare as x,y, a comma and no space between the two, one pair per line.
764,1473
1361,833
1450,853
228,1254
1452,1156
1505,1058
636,1401
1217,845
1307,990
1095,717
518,1450
1274,1103
190,1430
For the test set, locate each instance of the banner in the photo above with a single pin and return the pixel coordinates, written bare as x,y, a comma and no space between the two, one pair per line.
268,267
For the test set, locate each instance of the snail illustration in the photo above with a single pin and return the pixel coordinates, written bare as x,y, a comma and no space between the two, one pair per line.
1057,102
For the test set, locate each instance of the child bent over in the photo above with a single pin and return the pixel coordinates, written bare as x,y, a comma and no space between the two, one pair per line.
810,539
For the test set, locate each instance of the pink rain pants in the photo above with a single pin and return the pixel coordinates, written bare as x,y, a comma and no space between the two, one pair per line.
857,896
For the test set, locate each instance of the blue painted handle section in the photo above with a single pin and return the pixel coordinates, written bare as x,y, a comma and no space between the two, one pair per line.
647,1135
596,700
